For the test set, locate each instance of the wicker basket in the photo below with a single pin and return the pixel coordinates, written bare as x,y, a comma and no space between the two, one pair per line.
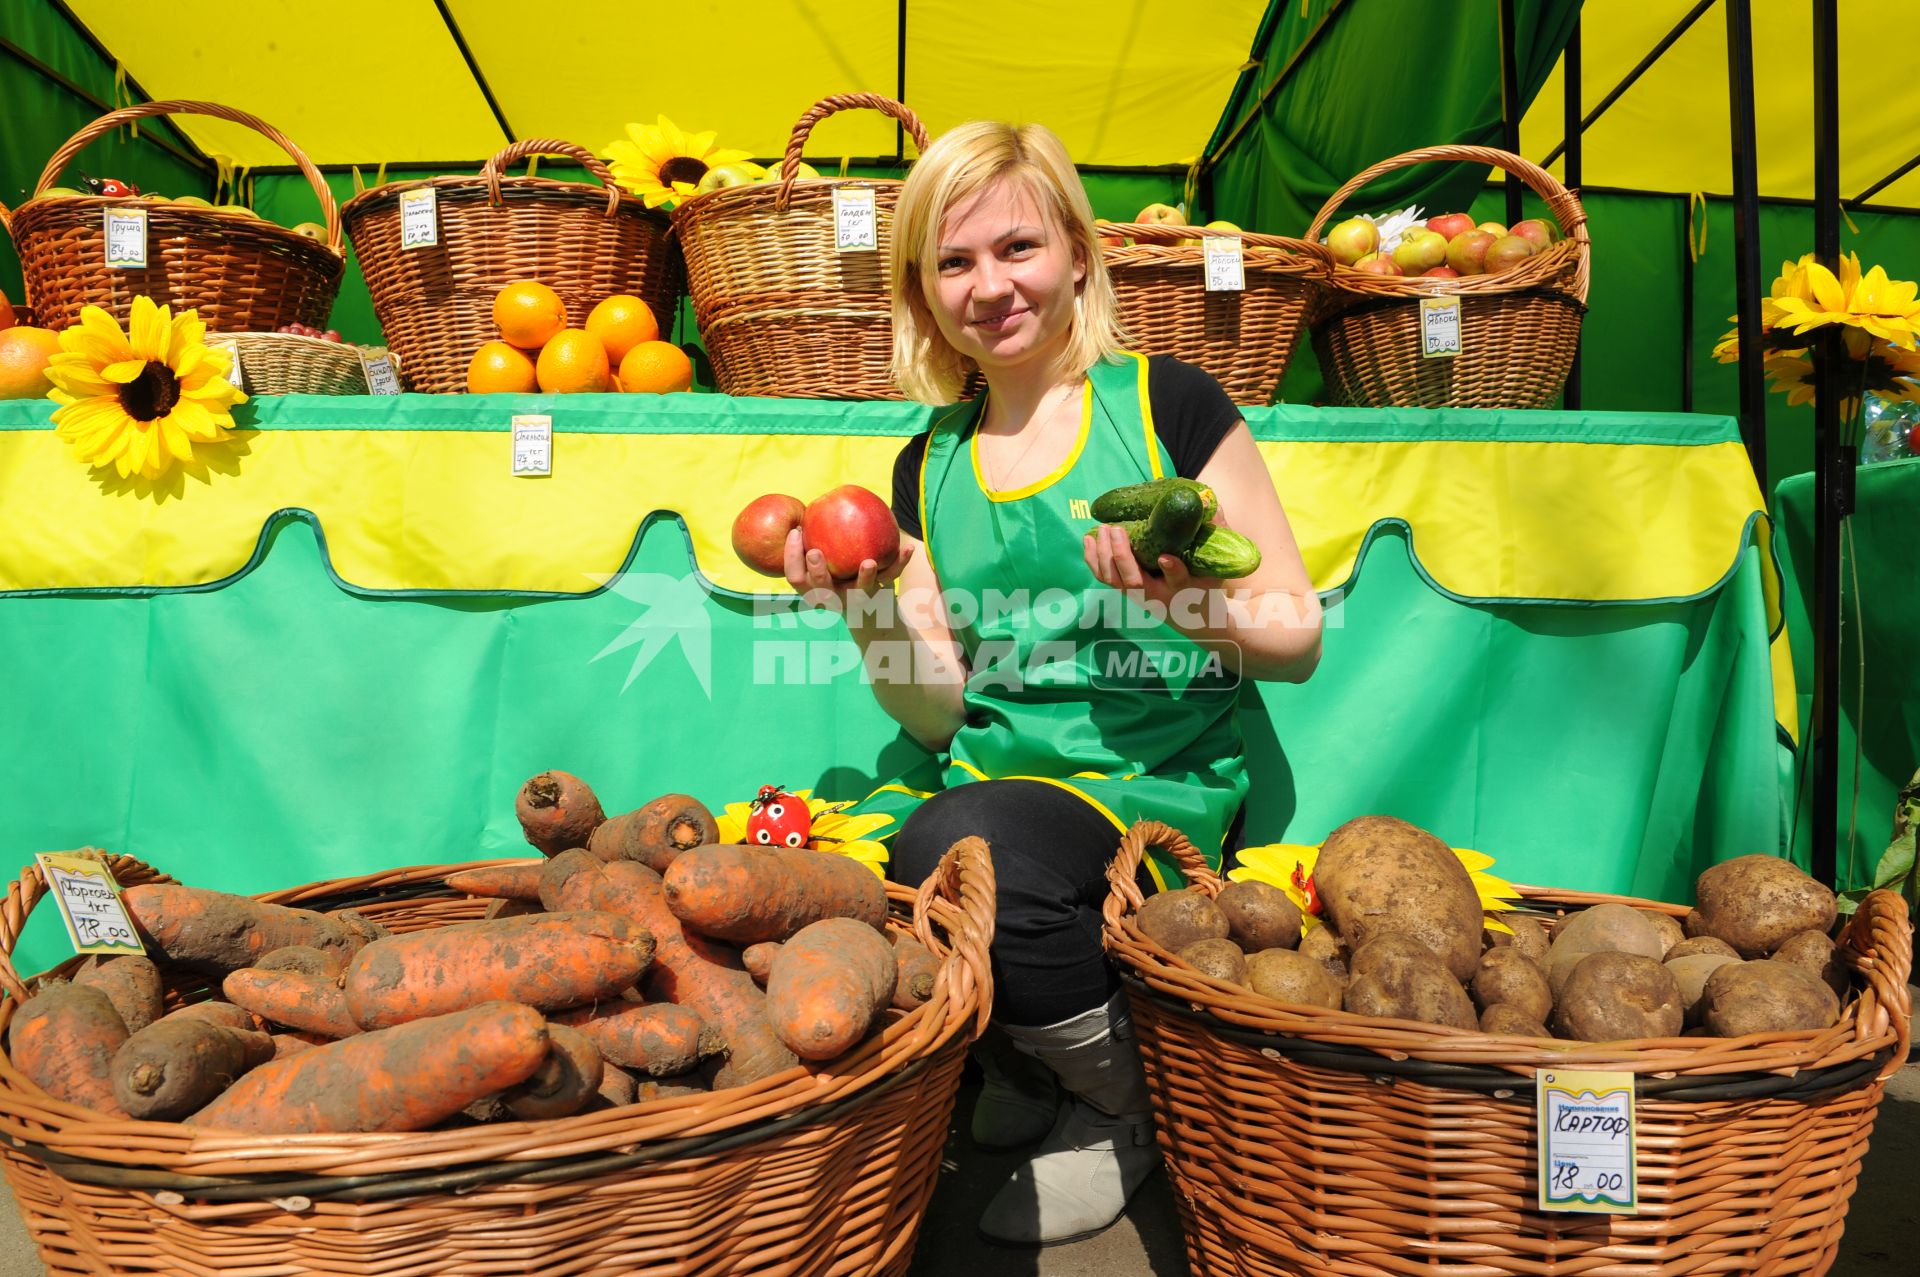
783,313
815,1170
1308,1141
1519,329
1244,338
241,273
293,364
586,242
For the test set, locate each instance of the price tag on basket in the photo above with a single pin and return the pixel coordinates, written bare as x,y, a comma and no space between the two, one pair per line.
232,348
532,446
89,903
1439,327
382,378
1587,1142
856,229
419,218
1226,266
125,230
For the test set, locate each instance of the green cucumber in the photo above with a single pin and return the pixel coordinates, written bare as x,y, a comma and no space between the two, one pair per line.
1176,517
1136,501
1222,553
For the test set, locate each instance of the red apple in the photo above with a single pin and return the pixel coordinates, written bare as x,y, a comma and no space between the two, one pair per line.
1507,252
760,532
1467,254
1447,225
1375,264
1535,232
1440,272
851,524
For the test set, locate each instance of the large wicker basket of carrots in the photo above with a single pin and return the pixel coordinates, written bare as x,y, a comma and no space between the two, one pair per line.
824,1167
1304,1140
783,312
1519,329
240,272
586,242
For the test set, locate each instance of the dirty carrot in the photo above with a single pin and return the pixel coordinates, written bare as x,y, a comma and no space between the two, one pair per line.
749,894
64,1038
827,984
293,999
557,811
655,1038
500,882
222,931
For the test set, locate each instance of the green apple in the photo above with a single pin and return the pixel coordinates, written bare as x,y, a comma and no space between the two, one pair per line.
241,209
59,190
1353,240
1161,215
745,173
1225,227
802,172
312,230
194,200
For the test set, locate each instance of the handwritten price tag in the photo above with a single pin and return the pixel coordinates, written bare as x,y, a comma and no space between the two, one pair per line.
532,446
89,903
1587,1142
1226,266
1439,327
126,235
382,379
855,227
233,369
419,218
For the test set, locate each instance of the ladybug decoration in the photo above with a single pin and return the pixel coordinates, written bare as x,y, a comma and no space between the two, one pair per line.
1304,881
779,819
111,186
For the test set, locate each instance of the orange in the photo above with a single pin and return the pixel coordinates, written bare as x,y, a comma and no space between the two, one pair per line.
657,367
24,353
529,314
573,362
498,368
7,318
622,322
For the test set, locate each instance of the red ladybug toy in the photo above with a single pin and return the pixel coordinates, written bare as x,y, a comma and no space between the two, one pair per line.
112,186
779,819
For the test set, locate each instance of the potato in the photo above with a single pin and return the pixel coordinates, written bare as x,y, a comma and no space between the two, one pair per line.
1765,997
1816,951
1324,945
1612,997
1397,979
1221,959
1529,938
1695,945
1287,975
1507,975
1671,932
1379,874
1691,974
1259,916
1175,919
1508,1020
1601,929
1756,903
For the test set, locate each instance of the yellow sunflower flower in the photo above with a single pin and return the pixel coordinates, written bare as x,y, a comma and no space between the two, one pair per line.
1808,296
833,830
1289,866
140,399
662,164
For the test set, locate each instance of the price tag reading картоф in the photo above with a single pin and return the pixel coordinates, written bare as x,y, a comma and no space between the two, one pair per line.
1587,1142
419,218
125,230
533,445
1439,327
1226,269
88,899
855,226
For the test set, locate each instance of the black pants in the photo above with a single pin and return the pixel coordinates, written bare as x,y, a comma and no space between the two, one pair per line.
1050,855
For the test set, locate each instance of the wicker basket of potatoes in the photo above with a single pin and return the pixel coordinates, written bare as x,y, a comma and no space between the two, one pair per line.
1359,1099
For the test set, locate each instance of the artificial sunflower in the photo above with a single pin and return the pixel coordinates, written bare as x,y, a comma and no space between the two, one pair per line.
833,830
1289,866
661,164
140,399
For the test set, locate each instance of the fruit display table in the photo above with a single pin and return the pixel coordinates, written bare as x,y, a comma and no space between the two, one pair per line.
342,644
1880,619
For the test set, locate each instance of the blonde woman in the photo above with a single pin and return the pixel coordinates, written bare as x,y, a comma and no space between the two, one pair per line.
1063,690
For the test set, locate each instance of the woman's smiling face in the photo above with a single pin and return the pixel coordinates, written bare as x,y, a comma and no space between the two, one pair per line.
1005,279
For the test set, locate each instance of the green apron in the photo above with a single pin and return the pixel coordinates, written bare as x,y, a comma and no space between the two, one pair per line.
1069,683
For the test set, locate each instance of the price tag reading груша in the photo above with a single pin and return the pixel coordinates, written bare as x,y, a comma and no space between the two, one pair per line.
126,237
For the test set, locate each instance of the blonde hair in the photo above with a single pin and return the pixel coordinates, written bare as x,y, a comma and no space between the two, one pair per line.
960,164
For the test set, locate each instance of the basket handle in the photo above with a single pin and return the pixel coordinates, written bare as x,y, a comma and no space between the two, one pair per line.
1121,874
114,119
965,877
494,167
25,891
1564,204
1879,937
820,110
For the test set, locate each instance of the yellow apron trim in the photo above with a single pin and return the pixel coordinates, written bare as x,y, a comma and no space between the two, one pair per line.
969,768
1146,419
1153,869
902,789
1060,471
1786,699
926,516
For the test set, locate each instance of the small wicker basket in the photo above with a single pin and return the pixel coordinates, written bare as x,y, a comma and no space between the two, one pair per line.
1519,329
782,311
817,1170
1301,1140
1245,337
586,242
294,364
241,273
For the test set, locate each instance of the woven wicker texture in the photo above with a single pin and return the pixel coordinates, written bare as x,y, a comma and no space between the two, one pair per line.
813,1171
1301,1140
586,242
241,273
782,311
1518,329
293,364
1245,338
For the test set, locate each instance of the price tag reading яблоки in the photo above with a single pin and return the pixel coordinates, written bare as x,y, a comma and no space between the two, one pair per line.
1439,327
1587,1142
88,900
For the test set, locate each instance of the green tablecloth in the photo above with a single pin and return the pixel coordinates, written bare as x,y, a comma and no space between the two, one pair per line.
1879,743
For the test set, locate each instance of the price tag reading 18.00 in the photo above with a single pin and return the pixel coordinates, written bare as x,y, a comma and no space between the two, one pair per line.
419,218
1439,327
855,229
1587,1142
89,903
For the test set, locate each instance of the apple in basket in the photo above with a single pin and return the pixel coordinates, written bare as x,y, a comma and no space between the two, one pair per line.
851,524
1536,232
1352,240
726,176
760,532
1375,264
1419,251
1467,253
1507,252
1161,215
1449,225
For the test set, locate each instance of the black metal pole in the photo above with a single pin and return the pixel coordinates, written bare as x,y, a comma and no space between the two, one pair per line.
1833,464
1747,290
1510,104
1570,81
